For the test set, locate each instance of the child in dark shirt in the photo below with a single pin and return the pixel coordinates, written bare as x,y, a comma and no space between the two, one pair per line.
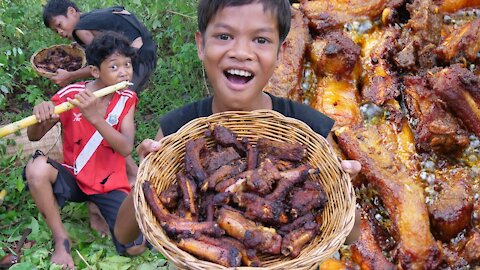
239,43
64,17
98,131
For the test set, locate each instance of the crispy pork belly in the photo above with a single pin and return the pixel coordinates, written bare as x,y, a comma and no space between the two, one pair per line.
451,6
402,197
380,80
334,54
286,79
366,252
462,42
338,99
460,89
434,127
325,14
451,211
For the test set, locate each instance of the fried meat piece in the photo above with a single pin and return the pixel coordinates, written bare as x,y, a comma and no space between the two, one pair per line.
451,211
334,54
189,191
288,180
261,180
169,196
219,158
402,197
297,223
282,150
325,14
380,80
366,252
434,127
252,157
286,79
252,235
212,250
249,256
227,138
451,6
462,42
193,161
294,241
222,173
460,89
261,209
306,198
471,252
338,99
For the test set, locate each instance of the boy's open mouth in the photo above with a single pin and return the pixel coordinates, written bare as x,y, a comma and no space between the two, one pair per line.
238,76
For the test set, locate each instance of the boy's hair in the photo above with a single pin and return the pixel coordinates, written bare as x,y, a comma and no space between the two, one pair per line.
207,9
55,8
106,44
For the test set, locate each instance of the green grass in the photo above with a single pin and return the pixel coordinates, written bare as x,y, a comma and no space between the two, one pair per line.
178,79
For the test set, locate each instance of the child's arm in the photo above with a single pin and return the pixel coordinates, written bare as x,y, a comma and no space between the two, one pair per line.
46,120
63,77
121,142
126,226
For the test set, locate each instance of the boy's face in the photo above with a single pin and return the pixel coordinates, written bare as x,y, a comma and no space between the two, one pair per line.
64,25
239,51
114,69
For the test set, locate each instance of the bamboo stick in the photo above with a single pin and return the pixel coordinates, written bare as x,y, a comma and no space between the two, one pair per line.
65,106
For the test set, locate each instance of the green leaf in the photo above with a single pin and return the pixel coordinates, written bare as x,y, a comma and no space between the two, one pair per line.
118,259
35,228
22,266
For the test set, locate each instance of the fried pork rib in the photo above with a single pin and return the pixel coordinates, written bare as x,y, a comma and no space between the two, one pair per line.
435,128
325,14
261,180
252,235
224,172
169,197
451,212
366,252
193,161
220,158
338,99
227,138
286,79
174,225
282,150
261,209
305,198
463,42
189,191
380,80
294,241
212,249
403,198
334,54
460,89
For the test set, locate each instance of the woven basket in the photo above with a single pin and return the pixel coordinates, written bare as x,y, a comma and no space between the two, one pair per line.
338,216
72,49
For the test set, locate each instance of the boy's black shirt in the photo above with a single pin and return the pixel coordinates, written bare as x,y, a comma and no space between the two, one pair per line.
320,123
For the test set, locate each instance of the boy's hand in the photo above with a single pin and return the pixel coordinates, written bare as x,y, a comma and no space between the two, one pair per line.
61,77
45,112
88,104
146,147
352,167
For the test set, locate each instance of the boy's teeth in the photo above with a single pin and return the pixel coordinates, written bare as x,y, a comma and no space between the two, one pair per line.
239,72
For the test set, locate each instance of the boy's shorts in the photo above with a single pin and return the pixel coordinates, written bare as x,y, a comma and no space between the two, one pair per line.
66,188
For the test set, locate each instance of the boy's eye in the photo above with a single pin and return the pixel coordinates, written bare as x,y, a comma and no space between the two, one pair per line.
262,40
113,67
223,37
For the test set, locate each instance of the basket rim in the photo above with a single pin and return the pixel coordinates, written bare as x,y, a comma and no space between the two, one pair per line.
50,74
184,260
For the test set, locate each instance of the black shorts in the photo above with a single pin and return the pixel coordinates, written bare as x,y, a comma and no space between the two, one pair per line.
66,189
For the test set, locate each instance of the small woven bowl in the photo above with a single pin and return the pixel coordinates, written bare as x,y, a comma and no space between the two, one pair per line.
159,169
72,49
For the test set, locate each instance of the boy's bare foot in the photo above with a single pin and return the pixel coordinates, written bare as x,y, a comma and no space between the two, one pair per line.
97,221
61,255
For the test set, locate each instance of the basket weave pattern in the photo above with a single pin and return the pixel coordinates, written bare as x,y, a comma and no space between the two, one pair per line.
41,54
338,216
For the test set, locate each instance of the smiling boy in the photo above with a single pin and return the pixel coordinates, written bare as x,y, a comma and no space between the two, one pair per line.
239,43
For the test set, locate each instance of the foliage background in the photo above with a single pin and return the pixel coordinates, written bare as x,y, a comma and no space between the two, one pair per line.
178,79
